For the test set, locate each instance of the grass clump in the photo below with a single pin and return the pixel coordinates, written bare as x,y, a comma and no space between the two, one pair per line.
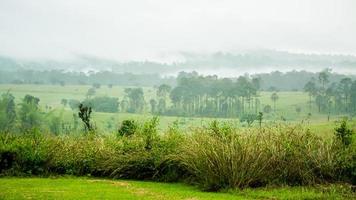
217,157
257,157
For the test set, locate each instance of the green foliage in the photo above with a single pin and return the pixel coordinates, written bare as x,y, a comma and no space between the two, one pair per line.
217,129
274,98
7,112
55,122
216,157
103,104
128,127
149,132
248,118
29,113
153,104
276,155
136,100
343,133
31,100
209,96
85,115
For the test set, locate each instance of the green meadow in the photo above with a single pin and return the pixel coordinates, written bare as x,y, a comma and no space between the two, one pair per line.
51,95
260,154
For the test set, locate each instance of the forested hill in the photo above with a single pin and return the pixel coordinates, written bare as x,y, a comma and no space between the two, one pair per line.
236,63
284,81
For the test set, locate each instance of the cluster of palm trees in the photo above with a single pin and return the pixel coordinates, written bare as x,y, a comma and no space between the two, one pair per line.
337,97
209,96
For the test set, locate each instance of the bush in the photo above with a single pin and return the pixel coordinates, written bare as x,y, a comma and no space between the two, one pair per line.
343,133
249,118
127,128
138,156
216,157
149,132
267,109
28,154
346,150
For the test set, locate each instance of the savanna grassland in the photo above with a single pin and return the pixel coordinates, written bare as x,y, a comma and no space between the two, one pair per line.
288,154
51,96
188,100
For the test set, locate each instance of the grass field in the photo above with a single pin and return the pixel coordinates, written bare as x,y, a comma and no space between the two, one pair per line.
51,95
87,188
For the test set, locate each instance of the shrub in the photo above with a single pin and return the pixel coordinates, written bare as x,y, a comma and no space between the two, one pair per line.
215,157
346,152
343,133
127,128
249,118
149,132
28,154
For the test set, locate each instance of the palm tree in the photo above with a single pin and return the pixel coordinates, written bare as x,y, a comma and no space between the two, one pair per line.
274,98
153,105
311,89
324,77
345,87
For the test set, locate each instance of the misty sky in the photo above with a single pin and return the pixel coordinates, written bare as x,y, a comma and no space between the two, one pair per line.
160,29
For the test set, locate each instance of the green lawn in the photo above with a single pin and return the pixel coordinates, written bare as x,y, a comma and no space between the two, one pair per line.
87,188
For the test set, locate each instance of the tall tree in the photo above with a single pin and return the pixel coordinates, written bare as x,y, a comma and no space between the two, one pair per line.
345,90
153,104
311,89
324,77
136,98
274,98
7,112
29,114
162,94
353,97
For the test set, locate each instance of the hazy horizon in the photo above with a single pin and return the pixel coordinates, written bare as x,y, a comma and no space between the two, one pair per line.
161,30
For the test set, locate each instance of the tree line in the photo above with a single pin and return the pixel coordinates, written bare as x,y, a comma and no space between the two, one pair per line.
194,95
284,81
210,96
332,97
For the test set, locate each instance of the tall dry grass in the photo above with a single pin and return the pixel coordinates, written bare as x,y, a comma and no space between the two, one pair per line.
216,157
255,157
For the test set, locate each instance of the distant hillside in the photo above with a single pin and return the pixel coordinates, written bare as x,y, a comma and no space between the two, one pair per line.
263,58
8,64
232,63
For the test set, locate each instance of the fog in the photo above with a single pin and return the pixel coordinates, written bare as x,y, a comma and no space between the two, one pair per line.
161,30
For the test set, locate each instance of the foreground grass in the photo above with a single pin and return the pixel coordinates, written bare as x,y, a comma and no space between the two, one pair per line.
83,188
